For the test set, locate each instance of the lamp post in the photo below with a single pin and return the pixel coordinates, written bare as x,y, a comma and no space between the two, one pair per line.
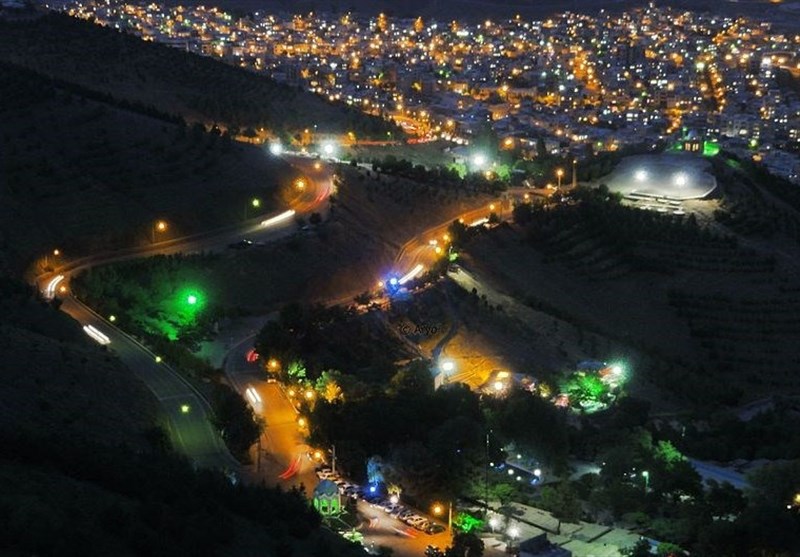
646,476
438,509
56,253
574,173
559,175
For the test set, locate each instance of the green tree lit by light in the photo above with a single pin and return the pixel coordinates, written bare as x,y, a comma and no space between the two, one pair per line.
666,452
467,523
583,387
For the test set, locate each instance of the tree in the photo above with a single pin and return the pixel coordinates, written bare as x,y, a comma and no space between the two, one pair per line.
315,218
457,232
533,424
562,501
585,387
375,470
296,370
328,385
235,420
522,213
465,545
639,549
415,379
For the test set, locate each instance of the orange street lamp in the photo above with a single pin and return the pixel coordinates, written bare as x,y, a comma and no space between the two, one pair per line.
272,364
438,510
559,174
159,226
300,183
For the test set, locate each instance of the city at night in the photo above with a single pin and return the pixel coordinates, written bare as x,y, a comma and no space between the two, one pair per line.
446,278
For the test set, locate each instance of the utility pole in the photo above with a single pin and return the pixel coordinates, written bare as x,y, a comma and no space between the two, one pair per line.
450,517
333,459
486,498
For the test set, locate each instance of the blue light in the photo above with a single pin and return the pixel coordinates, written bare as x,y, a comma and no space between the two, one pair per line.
372,489
393,281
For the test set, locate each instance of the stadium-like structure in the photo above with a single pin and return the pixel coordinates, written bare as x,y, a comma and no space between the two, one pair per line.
666,176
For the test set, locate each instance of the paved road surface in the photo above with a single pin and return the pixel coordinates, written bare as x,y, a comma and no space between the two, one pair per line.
187,413
710,471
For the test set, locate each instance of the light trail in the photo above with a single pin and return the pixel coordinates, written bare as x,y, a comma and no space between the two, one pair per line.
278,218
96,335
253,395
50,289
411,274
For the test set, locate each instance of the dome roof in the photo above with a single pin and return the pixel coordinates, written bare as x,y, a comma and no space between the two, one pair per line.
326,488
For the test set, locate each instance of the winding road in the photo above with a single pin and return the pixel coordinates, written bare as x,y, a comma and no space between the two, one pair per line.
187,411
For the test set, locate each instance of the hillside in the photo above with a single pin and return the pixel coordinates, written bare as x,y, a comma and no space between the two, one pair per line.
83,174
194,87
718,310
55,380
86,468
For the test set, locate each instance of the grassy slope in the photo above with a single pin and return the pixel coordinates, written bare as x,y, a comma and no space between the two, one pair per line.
83,175
195,87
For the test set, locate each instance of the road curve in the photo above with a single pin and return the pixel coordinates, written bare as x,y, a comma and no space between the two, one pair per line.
188,413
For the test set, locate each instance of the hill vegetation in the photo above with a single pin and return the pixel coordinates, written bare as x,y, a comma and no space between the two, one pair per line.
82,172
196,88
86,468
714,309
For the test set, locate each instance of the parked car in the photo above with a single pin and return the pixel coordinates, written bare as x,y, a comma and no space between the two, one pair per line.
435,529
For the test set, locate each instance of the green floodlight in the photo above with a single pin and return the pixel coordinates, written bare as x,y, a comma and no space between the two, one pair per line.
191,299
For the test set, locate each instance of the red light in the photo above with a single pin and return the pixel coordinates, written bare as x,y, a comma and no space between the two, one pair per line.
252,356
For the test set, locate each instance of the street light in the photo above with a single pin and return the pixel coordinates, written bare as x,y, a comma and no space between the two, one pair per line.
300,183
56,253
646,476
255,203
513,532
494,523
159,226
559,175
479,160
438,510
275,148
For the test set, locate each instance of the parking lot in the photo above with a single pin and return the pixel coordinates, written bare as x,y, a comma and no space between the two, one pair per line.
386,521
